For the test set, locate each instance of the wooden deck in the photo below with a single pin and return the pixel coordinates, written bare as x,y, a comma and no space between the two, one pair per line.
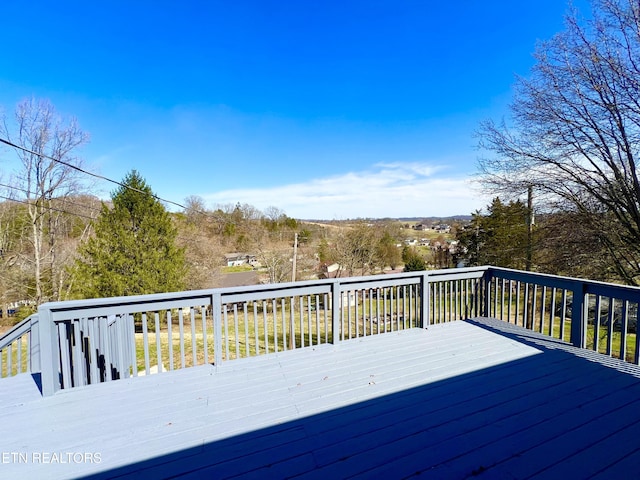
465,399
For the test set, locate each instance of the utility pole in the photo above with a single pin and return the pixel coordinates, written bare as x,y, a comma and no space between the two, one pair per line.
530,222
293,279
295,255
529,261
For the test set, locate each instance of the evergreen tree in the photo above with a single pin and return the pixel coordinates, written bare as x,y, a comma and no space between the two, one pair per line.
133,250
498,238
413,262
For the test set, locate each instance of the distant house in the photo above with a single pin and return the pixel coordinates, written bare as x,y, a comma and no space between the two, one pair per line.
236,259
330,271
442,228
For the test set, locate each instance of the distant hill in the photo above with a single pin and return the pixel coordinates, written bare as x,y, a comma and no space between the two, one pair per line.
455,218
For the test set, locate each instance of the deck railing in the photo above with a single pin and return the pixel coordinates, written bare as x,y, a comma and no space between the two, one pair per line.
19,348
76,343
599,316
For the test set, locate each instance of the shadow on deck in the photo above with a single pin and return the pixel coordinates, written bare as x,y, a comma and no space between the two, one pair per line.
562,412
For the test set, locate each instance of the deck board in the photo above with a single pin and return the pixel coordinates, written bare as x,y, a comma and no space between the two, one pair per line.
477,398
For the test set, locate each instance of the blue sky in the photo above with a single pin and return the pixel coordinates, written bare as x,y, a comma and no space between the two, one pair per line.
331,110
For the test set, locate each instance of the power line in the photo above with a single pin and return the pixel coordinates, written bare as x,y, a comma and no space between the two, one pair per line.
89,207
48,208
95,175
63,200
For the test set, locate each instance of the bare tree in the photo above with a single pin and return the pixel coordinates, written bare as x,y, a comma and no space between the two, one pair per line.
202,248
13,278
574,136
277,264
355,249
42,181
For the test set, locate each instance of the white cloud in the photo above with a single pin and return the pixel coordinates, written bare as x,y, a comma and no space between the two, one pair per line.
386,190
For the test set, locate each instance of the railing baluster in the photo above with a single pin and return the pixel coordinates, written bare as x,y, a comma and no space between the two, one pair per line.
510,301
118,345
132,345
236,331
301,320
170,339
275,325
552,312
194,346
526,320
412,322
19,359
246,330
255,327
543,305
596,323
266,327
502,283
181,330
563,317
77,365
317,309
92,347
440,303
205,334
9,361
610,320
379,309
623,330
284,326
392,308
518,303
64,338
145,344
534,304
357,317
309,326
156,317
448,300
636,355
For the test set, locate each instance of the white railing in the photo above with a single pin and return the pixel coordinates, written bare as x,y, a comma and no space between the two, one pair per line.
93,341
83,342
19,349
599,316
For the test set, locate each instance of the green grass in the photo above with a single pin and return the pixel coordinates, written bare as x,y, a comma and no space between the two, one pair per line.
603,337
24,360
237,269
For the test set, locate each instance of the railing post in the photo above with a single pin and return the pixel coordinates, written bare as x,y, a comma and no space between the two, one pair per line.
579,312
216,315
486,283
49,355
335,311
34,344
425,300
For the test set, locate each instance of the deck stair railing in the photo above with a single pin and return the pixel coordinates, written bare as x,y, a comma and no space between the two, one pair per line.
19,348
